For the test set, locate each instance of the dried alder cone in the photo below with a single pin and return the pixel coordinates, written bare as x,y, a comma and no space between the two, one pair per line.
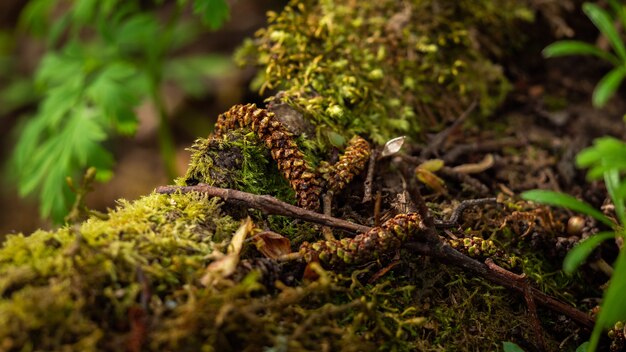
282,146
377,242
306,182
350,164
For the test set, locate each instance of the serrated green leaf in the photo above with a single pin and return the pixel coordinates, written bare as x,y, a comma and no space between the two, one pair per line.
613,306
511,347
57,68
59,101
132,35
60,152
212,12
566,201
575,47
603,21
606,88
577,255
115,92
36,16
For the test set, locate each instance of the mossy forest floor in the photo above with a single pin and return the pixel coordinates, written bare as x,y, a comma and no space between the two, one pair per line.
162,272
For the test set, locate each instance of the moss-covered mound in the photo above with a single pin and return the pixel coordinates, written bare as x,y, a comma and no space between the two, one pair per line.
136,279
385,68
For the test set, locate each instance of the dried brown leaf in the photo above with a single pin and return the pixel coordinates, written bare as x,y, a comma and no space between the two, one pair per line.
227,264
272,245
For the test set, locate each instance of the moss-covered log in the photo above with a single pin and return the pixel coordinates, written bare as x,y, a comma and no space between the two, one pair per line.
136,279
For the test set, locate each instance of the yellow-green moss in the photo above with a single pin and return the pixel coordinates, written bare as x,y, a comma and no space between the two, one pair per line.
385,68
72,288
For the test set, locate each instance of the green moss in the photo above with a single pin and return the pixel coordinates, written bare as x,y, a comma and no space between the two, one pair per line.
385,68
238,161
133,280
72,288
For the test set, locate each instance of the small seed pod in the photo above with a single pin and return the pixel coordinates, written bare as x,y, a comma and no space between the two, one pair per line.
479,248
376,243
618,340
283,148
575,225
350,164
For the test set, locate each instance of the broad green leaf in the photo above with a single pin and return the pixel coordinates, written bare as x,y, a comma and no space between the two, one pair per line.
577,255
620,11
212,12
606,154
606,88
566,201
613,304
583,347
575,47
603,21
511,347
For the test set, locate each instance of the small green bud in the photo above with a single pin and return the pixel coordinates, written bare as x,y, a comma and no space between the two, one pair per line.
375,74
335,111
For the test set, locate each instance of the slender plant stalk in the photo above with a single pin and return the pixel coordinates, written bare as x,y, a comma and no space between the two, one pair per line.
166,140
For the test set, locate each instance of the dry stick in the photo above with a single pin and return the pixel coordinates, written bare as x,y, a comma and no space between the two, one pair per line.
448,254
266,204
487,146
453,220
328,201
440,137
468,180
440,250
377,205
435,247
369,179
528,297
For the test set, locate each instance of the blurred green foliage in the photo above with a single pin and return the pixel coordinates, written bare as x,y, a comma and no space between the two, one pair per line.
102,59
605,22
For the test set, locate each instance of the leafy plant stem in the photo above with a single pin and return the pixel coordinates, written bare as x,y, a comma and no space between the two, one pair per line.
166,140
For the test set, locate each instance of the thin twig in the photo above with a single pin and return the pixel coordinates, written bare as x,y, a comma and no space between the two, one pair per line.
528,297
437,141
369,179
465,179
267,204
453,154
453,220
327,202
377,205
448,254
